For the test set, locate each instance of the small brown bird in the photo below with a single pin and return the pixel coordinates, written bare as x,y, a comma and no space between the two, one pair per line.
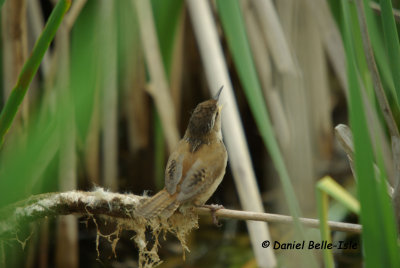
197,165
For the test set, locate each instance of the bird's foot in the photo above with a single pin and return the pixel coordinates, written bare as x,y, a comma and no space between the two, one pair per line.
214,208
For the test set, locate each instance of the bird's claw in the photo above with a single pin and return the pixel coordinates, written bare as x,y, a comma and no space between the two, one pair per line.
214,208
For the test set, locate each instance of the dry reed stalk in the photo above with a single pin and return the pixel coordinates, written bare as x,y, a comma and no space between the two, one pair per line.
310,53
158,88
263,64
298,153
177,65
331,38
239,158
35,27
136,104
92,145
67,249
109,108
135,100
123,206
31,248
274,35
67,254
281,219
43,261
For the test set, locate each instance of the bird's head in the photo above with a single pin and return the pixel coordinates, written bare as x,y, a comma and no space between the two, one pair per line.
206,119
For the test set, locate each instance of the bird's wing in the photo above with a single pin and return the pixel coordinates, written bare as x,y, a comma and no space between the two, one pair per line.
173,172
196,181
202,174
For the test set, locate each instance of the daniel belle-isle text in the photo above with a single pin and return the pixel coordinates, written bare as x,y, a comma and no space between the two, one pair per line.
324,244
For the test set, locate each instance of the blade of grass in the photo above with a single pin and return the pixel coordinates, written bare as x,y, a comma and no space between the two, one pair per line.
392,42
85,84
370,80
74,13
336,191
328,187
365,24
379,50
237,40
377,9
36,22
389,224
370,60
374,212
30,67
17,182
85,54
361,61
234,29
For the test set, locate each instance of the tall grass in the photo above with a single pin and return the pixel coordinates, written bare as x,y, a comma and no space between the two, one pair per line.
234,28
377,215
31,167
30,67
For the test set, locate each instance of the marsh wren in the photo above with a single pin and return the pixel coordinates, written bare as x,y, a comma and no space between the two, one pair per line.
197,165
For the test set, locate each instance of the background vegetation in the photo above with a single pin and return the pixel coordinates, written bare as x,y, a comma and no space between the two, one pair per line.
114,91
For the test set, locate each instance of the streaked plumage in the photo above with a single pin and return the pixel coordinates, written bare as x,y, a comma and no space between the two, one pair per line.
196,167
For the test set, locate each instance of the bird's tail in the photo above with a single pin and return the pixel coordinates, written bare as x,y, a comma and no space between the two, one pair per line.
162,204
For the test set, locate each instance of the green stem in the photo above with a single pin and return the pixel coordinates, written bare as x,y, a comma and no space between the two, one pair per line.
322,202
30,67
392,41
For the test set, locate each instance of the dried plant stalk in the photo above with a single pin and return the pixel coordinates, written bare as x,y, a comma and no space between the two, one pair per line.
274,35
122,206
308,45
109,109
135,101
239,158
331,37
159,85
264,69
298,153
67,233
177,65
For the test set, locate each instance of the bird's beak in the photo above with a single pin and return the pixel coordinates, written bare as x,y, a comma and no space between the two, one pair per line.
220,108
216,97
